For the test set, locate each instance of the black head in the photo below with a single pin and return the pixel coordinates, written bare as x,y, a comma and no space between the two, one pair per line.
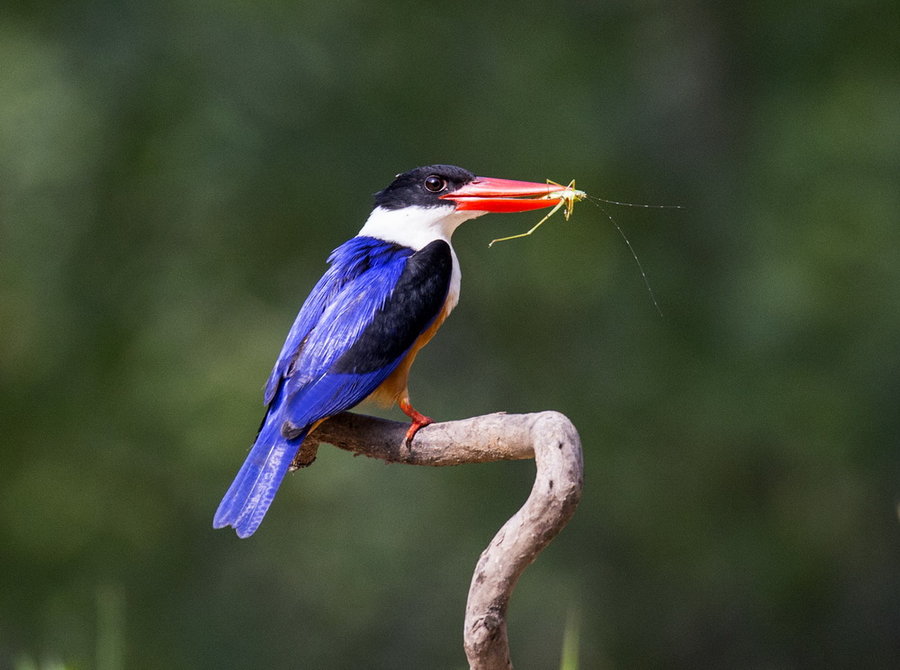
423,187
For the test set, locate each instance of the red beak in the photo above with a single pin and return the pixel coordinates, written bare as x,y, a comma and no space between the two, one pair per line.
488,194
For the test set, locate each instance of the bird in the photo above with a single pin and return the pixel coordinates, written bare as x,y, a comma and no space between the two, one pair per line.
384,295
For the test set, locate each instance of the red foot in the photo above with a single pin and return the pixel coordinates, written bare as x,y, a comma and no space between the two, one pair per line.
418,420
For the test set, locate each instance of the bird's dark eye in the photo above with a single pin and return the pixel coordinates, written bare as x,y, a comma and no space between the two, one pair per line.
435,184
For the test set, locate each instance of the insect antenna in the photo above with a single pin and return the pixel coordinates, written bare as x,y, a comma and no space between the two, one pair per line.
596,202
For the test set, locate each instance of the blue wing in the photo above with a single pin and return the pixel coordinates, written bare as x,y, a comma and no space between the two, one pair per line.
356,326
338,292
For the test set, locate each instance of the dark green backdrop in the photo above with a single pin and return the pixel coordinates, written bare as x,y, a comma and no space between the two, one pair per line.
173,176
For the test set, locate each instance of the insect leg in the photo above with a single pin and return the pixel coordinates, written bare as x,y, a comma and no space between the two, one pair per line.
536,226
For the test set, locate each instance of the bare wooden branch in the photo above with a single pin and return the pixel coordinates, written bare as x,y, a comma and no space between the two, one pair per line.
548,437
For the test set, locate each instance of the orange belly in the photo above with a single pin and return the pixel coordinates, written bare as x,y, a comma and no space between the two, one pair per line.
394,388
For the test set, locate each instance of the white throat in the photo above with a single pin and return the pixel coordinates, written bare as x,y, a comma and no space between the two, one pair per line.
414,227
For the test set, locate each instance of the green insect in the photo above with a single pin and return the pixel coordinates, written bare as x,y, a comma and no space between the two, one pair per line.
567,197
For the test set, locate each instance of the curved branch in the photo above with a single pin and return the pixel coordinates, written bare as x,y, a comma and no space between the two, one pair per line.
548,437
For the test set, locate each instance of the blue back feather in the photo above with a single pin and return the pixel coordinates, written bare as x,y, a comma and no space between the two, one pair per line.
344,291
300,389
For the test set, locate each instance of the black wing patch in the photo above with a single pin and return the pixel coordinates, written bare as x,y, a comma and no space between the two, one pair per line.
417,299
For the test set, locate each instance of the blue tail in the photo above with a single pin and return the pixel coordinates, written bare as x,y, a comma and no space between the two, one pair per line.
252,491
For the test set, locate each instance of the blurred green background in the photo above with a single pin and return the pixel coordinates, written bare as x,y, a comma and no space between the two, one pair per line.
173,176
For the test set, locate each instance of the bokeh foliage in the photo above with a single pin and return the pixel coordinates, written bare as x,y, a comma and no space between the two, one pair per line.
173,176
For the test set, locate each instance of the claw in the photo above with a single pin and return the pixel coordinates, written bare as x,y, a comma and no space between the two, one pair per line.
419,421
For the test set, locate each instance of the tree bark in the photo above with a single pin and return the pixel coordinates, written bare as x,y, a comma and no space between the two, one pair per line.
547,437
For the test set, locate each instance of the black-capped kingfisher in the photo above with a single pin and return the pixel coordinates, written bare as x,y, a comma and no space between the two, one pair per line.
385,294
